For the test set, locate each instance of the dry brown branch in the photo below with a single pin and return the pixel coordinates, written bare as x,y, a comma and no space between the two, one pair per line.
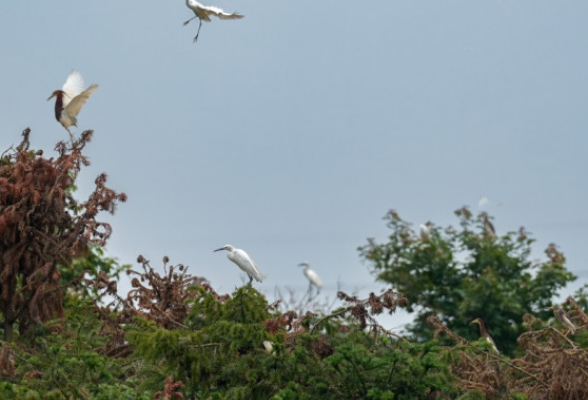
365,310
553,366
162,298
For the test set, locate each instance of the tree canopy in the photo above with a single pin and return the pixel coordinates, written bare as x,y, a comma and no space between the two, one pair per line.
462,274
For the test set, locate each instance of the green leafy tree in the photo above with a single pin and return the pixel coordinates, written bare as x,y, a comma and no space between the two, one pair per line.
462,274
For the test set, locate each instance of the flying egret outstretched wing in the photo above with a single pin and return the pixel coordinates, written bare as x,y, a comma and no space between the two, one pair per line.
73,86
223,15
204,12
75,105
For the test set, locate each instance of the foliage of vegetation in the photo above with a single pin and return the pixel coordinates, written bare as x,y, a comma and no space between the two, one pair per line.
42,225
174,337
460,275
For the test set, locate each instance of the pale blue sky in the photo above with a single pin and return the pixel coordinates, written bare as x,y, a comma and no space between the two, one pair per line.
291,132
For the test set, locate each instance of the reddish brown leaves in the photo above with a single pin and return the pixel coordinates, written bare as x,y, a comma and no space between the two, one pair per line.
161,298
364,310
552,366
170,390
41,226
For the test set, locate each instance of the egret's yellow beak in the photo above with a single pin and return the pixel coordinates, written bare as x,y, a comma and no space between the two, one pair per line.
52,96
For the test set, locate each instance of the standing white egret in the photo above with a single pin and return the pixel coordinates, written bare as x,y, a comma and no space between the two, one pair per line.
70,100
203,13
312,276
243,261
425,233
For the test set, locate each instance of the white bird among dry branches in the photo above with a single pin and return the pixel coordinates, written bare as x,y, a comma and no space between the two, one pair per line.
203,13
312,276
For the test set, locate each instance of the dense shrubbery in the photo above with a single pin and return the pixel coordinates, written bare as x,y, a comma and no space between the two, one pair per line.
173,337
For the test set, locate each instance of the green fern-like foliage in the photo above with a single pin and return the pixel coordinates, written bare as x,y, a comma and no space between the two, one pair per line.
221,354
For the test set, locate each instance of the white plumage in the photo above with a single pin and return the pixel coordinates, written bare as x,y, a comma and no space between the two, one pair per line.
312,276
70,99
243,261
203,13
425,233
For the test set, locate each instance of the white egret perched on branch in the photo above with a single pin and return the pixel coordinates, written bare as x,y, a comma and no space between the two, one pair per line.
203,13
312,276
70,100
243,261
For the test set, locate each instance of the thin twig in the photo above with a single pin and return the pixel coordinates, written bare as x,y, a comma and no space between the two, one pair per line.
328,317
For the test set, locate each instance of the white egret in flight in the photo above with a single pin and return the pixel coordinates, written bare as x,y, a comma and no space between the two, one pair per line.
243,261
312,276
203,13
482,201
70,100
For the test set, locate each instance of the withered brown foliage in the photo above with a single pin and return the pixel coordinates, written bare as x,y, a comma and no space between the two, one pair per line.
322,348
170,390
365,310
42,226
553,366
162,299
282,322
155,297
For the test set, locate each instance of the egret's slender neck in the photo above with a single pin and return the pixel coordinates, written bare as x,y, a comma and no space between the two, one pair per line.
483,330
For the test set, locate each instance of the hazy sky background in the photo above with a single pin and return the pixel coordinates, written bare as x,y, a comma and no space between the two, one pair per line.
290,133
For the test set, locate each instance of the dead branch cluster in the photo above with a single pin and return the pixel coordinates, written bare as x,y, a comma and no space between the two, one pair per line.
553,366
159,298
41,226
365,310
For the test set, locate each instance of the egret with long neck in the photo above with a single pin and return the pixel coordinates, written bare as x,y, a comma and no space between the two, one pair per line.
312,276
243,261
